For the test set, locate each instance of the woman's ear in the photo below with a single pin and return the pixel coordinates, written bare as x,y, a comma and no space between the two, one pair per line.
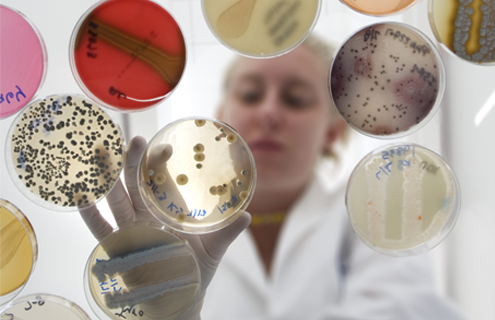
219,113
335,130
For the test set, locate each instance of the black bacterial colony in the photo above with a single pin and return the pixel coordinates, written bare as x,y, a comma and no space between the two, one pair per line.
386,79
66,151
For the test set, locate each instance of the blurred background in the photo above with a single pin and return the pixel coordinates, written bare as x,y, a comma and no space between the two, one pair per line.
462,131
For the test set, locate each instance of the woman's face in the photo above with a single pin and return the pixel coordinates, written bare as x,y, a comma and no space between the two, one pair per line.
281,107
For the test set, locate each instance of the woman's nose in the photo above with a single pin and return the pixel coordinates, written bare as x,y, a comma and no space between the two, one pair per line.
271,112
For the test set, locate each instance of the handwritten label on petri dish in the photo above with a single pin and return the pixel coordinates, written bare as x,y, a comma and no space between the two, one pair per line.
22,62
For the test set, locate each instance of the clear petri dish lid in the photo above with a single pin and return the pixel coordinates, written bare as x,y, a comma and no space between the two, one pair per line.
23,61
464,29
19,251
43,307
379,8
261,29
402,199
197,175
127,55
64,152
387,80
142,271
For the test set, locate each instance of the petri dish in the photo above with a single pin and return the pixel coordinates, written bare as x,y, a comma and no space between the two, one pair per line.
402,199
196,175
142,271
64,152
387,80
127,55
379,8
465,28
43,307
18,253
23,61
261,29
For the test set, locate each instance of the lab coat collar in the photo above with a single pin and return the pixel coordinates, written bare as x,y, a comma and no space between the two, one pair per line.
302,218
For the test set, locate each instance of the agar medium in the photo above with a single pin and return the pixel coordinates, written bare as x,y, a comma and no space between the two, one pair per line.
402,199
197,175
18,253
43,307
261,28
64,152
142,271
387,80
379,8
127,55
465,28
23,61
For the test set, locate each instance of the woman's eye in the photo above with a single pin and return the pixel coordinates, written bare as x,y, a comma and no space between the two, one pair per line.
298,96
250,96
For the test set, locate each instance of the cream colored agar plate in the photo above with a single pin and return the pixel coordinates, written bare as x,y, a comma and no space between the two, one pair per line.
43,307
65,152
196,175
261,28
19,251
402,199
142,272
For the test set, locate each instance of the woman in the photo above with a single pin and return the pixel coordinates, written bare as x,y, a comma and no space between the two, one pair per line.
299,259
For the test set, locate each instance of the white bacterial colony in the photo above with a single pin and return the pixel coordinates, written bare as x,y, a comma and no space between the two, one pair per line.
104,268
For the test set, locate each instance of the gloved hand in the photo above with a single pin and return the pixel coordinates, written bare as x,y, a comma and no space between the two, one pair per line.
128,206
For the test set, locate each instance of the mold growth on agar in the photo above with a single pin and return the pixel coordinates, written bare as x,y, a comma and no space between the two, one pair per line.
66,151
396,76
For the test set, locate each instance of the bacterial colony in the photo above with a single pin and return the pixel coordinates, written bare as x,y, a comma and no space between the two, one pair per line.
66,151
386,79
196,175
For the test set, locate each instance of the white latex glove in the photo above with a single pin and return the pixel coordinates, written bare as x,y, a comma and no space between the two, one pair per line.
128,206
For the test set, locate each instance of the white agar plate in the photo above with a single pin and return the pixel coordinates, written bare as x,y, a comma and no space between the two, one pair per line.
142,271
64,152
197,175
402,199
43,307
18,251
387,80
261,28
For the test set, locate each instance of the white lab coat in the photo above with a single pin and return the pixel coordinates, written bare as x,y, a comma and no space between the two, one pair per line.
322,271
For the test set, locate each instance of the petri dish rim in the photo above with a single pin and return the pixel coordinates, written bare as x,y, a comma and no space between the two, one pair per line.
90,94
44,53
218,225
31,234
95,306
381,15
58,300
9,161
441,87
434,240
433,28
269,56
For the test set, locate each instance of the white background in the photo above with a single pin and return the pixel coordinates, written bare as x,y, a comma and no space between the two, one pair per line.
465,262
